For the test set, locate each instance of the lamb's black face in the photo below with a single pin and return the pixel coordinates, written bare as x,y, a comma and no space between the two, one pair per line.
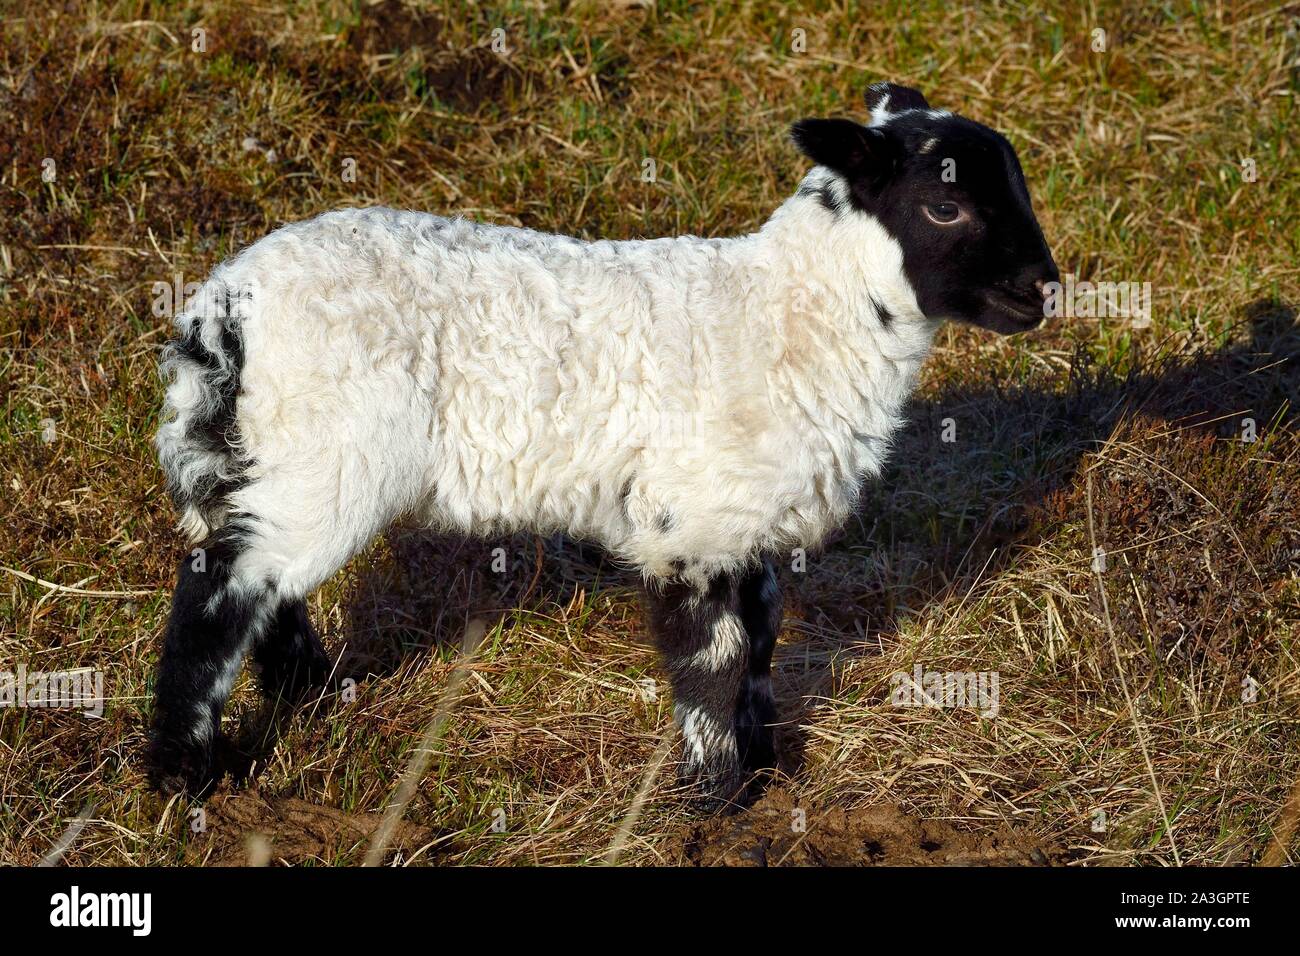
951,192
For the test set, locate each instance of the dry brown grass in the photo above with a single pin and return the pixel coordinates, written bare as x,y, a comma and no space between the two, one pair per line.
969,556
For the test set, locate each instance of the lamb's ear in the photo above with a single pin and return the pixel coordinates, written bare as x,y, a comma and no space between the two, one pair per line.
847,147
883,99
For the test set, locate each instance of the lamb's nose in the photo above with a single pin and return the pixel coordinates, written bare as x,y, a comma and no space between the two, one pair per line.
1037,275
1045,279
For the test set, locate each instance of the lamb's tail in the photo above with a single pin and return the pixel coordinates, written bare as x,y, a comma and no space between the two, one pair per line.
198,441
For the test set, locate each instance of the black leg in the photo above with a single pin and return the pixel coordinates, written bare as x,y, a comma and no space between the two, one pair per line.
213,620
760,611
288,655
704,648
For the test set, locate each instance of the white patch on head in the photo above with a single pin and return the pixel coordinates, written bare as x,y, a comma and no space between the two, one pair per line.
928,145
880,112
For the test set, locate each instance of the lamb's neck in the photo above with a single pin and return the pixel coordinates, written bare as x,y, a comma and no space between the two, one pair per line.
848,338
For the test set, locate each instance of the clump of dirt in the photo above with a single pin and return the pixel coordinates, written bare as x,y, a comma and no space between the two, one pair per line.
392,52
779,831
463,78
238,827
392,27
467,79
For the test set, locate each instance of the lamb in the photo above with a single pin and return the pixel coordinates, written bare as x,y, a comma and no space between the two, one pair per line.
698,407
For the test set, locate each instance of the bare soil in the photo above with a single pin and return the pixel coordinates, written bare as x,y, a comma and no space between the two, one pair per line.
777,831
247,828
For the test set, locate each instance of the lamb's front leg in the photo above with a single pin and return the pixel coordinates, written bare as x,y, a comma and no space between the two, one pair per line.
760,610
705,650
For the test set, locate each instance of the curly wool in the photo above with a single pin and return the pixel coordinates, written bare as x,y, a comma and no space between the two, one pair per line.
688,403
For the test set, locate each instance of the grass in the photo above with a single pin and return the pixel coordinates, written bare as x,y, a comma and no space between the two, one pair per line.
971,555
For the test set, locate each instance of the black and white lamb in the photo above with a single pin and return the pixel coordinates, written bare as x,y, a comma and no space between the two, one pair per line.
698,407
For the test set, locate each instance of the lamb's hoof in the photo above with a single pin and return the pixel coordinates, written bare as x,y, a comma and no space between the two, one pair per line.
175,766
716,792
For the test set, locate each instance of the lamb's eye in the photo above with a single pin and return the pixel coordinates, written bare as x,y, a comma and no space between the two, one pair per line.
944,213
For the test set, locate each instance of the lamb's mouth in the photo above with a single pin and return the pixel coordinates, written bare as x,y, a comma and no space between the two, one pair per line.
1023,311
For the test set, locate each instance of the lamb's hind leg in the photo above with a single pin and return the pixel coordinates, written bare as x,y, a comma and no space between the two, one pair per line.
247,594
288,654
704,647
241,593
216,614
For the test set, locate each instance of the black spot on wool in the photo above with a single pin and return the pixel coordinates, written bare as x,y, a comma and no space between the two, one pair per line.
215,431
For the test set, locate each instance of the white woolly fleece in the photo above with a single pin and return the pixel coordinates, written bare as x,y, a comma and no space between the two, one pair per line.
687,403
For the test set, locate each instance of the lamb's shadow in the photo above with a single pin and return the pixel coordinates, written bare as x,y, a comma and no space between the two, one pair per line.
978,461
423,589
410,597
